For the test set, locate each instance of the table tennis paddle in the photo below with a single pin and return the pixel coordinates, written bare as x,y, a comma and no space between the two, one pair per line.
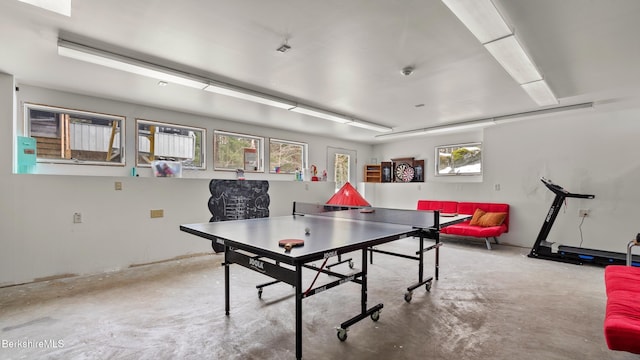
288,244
448,214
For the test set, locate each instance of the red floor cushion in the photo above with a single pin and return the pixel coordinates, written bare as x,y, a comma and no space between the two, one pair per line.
622,317
620,277
622,321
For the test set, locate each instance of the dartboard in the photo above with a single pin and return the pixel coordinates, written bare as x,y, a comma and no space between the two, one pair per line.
404,173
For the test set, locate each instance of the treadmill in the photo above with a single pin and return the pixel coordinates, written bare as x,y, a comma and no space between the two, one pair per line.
542,249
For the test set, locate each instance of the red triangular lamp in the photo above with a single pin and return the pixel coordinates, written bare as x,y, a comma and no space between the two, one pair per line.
348,195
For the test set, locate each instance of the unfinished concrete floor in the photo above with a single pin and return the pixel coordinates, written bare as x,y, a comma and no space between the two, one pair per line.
495,304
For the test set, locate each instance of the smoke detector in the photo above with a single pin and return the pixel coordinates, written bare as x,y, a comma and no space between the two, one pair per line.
407,70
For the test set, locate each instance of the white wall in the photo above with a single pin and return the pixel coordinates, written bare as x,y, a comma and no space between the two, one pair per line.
405,196
590,151
38,238
586,152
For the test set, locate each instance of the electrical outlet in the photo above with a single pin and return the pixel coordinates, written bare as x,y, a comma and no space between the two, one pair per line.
77,218
118,185
583,212
157,213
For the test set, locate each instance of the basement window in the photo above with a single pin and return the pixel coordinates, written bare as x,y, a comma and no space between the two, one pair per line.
75,136
287,156
232,151
161,141
460,159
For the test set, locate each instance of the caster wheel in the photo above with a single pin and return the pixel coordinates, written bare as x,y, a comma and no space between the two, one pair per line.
260,294
350,264
342,334
427,286
407,296
375,316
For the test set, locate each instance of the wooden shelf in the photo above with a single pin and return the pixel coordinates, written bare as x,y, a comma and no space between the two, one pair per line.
372,173
386,171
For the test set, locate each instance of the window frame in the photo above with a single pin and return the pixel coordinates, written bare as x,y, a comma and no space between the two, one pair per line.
352,173
27,106
260,149
203,141
305,154
457,146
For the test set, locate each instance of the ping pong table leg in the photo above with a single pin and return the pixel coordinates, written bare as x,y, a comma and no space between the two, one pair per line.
421,261
226,280
421,279
363,290
298,311
373,312
437,261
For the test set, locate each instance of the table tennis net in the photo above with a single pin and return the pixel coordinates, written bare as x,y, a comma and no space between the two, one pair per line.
416,218
302,208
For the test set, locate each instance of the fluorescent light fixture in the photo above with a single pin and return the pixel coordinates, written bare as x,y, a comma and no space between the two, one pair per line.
540,92
307,110
123,63
481,18
455,127
459,126
483,122
513,59
166,75
503,119
484,21
402,134
62,7
245,94
369,126
311,111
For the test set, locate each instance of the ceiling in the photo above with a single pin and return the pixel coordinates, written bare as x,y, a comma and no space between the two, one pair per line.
346,56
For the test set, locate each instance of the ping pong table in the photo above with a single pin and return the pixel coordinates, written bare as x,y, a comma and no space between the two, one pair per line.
328,231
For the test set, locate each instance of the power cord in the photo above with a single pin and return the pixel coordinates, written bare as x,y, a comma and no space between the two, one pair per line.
580,228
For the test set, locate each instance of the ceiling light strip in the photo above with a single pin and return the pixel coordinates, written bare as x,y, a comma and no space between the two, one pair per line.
522,115
466,125
62,7
224,89
369,126
308,110
540,92
481,123
481,17
485,22
510,54
123,63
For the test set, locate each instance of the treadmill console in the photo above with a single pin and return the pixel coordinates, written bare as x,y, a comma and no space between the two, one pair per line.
559,190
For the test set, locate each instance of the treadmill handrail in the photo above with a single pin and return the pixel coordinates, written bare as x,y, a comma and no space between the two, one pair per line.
632,243
559,190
